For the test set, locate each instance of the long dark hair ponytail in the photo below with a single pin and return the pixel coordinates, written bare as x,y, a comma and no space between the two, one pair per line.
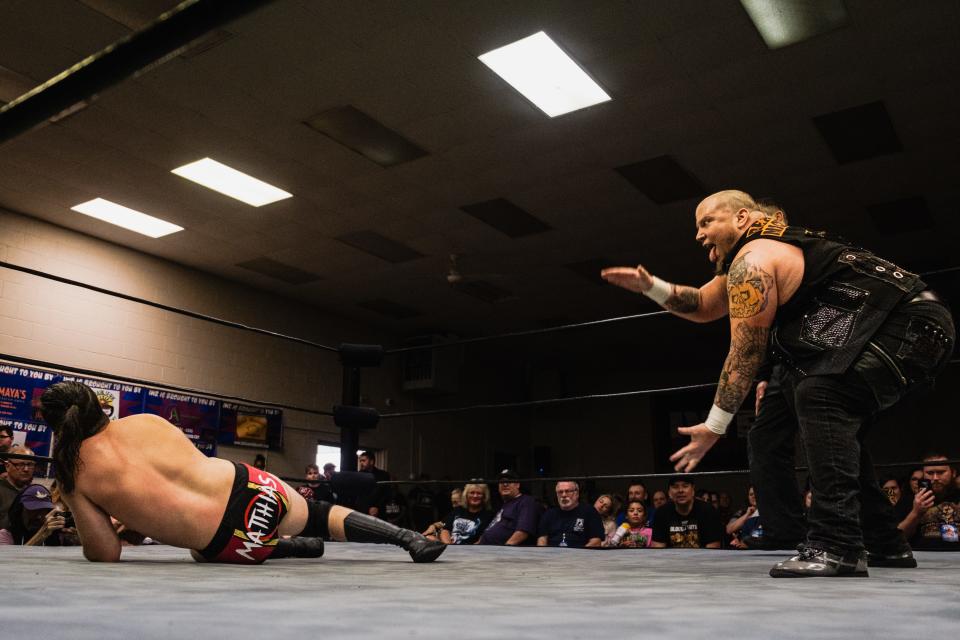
73,412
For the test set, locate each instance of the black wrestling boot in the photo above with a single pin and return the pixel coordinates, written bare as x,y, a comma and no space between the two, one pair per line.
900,559
358,527
813,562
298,547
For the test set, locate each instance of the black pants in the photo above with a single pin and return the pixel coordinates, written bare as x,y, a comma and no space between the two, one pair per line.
833,414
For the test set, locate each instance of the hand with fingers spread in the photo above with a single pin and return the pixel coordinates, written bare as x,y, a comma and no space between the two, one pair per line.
636,279
702,440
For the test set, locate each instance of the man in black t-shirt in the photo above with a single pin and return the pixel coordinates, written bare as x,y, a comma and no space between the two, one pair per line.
570,524
376,502
686,523
931,520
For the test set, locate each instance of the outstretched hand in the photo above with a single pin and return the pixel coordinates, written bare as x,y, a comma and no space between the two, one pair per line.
636,279
702,439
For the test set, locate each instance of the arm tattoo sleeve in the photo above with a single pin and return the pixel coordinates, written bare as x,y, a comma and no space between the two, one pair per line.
683,299
747,349
748,286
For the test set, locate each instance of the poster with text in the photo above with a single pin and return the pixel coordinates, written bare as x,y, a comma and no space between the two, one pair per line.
117,399
251,426
20,391
196,416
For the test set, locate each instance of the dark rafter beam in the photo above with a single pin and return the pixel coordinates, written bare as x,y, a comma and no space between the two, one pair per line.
137,53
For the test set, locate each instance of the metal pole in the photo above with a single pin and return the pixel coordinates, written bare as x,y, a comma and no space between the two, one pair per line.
350,436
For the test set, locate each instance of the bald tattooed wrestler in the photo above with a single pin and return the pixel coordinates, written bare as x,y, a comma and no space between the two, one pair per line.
851,333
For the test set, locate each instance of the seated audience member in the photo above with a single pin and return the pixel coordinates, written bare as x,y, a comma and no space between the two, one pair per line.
19,477
634,532
604,507
260,462
725,508
916,475
635,491
33,520
891,488
313,488
467,522
659,499
933,522
686,522
570,524
328,470
746,522
456,500
516,522
456,497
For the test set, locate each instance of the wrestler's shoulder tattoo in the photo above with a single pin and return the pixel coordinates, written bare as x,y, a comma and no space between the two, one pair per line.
748,287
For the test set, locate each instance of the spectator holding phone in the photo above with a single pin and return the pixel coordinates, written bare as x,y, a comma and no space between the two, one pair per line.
33,519
933,520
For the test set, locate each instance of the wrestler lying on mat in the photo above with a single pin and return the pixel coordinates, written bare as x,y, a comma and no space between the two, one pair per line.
144,471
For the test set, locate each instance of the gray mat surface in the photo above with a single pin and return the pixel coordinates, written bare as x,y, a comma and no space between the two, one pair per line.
372,591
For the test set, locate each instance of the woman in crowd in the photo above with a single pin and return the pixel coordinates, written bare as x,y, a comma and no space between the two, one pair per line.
605,507
891,488
746,522
468,521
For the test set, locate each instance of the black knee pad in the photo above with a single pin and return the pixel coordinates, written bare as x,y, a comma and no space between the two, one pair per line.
317,514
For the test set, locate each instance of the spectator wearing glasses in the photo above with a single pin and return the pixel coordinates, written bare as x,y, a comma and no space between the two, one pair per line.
19,476
570,524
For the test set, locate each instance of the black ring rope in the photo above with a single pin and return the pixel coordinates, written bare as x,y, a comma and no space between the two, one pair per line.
143,383
528,332
644,476
324,347
164,307
549,401
620,476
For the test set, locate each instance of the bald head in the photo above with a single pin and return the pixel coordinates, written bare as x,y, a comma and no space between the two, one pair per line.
730,199
722,218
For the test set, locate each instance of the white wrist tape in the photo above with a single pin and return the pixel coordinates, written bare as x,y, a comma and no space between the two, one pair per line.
718,420
660,291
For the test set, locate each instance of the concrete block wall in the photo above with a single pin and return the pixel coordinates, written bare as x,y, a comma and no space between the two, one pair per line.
45,320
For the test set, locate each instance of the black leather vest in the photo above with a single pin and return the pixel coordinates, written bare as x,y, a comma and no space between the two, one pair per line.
845,295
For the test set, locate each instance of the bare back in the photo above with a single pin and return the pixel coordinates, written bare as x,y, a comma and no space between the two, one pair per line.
144,471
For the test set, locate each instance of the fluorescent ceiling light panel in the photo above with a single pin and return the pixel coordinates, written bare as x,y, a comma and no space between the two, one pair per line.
230,182
545,75
786,22
127,218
